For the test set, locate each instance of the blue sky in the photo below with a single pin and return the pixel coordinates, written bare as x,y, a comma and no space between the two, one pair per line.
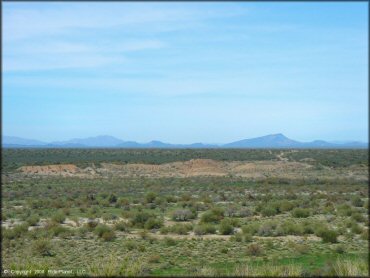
185,72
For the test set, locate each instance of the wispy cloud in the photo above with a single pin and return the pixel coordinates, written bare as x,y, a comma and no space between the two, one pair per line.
58,36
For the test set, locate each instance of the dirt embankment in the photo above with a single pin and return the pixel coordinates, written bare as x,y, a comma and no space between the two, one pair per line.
195,167
191,168
64,170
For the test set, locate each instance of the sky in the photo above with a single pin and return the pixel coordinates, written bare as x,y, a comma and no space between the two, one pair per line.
185,72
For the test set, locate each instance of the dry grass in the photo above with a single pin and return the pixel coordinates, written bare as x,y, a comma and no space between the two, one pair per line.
351,268
113,266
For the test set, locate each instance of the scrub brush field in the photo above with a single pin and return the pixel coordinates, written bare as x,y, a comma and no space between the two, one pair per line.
111,212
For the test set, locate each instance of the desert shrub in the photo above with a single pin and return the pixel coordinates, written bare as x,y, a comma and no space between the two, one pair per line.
109,216
123,202
238,237
130,245
254,249
340,249
289,228
91,224
344,210
308,227
164,230
355,228
183,215
203,229
121,226
140,218
269,211
267,229
153,223
285,205
112,198
150,197
181,229
245,212
327,236
101,229
212,216
247,237
33,220
9,234
300,213
357,202
251,228
108,235
358,217
20,230
170,241
365,235
225,227
82,231
58,217
58,230
42,247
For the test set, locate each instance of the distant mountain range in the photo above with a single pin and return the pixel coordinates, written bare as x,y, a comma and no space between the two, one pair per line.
268,141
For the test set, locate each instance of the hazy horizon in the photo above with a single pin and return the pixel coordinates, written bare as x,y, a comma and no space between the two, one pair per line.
185,72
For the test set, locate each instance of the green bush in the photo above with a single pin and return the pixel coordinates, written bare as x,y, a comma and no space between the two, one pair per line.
300,213
357,202
170,241
328,236
121,226
82,231
101,229
33,220
181,229
153,223
308,227
59,217
109,216
18,230
212,216
226,228
108,235
42,247
59,231
150,197
285,205
289,228
356,229
140,218
203,229
358,217
251,228
269,211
